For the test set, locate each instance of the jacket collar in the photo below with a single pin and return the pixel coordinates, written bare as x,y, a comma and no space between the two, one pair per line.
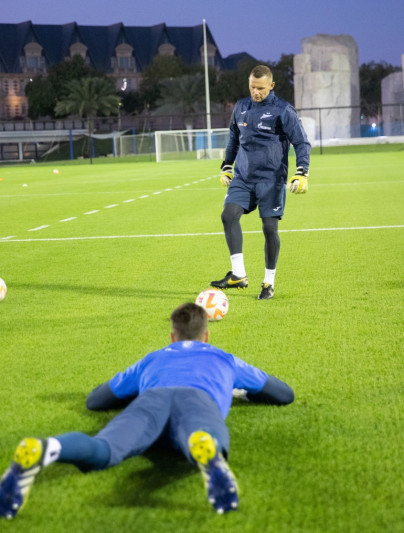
268,100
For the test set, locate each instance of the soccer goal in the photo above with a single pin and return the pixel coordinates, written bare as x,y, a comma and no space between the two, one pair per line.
175,145
139,144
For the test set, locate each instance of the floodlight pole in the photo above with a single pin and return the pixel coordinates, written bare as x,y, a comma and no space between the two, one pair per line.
208,123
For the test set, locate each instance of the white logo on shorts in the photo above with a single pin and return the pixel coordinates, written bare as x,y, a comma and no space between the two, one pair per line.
276,208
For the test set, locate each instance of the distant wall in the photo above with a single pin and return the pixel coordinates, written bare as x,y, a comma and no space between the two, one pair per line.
327,76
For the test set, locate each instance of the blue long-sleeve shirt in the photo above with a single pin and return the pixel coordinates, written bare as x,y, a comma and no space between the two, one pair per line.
260,137
190,364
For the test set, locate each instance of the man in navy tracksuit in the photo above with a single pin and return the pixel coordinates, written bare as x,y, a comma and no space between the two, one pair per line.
262,128
179,395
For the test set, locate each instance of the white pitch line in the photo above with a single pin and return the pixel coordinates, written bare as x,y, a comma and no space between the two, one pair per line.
68,219
334,229
39,227
358,183
10,237
160,235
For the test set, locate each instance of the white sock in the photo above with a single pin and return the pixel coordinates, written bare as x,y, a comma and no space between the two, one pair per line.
237,265
270,276
53,450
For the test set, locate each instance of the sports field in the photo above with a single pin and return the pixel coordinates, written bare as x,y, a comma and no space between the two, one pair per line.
97,256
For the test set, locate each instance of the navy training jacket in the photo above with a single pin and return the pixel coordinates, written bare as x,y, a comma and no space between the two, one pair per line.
260,137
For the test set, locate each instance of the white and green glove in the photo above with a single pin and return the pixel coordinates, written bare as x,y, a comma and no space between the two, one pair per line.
298,184
227,173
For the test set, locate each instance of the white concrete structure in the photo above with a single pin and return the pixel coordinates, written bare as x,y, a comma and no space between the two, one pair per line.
327,76
393,102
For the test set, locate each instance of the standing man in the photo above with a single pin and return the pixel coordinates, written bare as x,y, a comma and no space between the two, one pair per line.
262,128
180,394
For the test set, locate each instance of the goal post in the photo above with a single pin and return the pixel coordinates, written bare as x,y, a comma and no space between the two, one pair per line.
177,145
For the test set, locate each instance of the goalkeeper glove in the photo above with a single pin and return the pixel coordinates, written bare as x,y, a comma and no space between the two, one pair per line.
298,184
227,173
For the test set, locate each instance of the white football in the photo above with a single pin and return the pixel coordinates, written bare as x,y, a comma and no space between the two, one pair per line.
3,289
214,302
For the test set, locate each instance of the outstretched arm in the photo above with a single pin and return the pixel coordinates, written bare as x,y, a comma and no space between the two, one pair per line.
102,399
259,387
274,392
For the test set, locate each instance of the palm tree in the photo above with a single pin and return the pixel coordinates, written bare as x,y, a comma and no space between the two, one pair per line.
182,96
89,98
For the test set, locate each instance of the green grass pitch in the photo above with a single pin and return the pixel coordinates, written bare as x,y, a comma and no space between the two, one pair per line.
95,259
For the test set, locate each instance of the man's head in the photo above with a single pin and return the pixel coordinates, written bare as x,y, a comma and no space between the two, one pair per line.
260,82
189,322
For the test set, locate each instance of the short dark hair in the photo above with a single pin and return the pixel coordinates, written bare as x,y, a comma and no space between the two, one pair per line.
189,321
260,71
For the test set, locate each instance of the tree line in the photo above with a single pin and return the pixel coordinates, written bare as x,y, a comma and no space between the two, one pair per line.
169,86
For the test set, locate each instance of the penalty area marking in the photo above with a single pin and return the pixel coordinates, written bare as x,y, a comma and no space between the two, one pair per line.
68,219
39,227
160,235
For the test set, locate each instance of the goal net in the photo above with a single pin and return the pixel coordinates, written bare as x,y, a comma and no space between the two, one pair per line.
139,144
175,145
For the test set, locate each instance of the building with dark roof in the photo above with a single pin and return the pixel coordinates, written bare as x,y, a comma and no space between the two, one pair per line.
123,52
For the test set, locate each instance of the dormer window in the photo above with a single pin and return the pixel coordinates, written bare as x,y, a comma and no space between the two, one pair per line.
78,49
166,49
124,59
33,57
211,53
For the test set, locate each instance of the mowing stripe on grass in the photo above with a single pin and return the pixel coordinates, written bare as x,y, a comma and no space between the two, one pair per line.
68,219
159,235
179,187
92,193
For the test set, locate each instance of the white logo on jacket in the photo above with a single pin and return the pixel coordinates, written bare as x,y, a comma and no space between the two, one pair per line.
266,115
262,127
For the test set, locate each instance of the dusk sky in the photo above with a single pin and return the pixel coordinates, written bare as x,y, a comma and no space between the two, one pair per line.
262,28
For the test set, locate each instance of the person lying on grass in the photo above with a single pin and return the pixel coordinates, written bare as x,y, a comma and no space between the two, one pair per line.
179,395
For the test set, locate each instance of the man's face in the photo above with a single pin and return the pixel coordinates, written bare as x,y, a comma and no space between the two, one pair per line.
260,87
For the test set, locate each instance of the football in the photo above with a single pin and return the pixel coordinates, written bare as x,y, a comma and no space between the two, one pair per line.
214,302
3,289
